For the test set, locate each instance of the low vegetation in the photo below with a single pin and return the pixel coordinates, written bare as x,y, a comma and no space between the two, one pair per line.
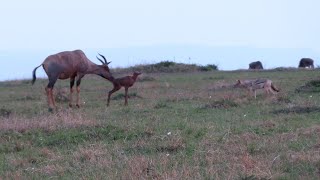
168,67
186,125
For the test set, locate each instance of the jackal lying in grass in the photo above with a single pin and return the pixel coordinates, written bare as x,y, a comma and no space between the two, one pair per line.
255,84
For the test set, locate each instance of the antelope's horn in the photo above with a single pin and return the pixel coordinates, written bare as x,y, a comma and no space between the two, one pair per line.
100,60
105,60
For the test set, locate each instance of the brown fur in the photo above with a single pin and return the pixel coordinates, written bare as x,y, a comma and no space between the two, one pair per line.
125,82
70,64
253,85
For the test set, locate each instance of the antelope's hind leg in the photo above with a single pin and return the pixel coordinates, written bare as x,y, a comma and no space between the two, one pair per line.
49,99
115,88
49,92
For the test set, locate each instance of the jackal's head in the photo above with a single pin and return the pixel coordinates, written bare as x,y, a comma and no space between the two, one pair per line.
238,84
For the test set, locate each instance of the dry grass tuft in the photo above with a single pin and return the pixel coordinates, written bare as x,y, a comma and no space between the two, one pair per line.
220,104
93,155
174,144
16,175
305,156
61,94
149,131
50,170
49,154
220,86
308,132
62,119
282,98
140,167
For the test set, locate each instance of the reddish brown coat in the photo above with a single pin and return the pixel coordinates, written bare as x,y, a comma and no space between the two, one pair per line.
70,64
125,82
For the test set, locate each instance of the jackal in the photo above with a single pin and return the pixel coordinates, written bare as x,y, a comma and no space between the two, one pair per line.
255,84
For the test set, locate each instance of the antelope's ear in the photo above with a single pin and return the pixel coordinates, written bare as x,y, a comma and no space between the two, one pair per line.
109,62
238,81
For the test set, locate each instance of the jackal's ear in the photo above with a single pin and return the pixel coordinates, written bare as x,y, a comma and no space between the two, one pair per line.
238,81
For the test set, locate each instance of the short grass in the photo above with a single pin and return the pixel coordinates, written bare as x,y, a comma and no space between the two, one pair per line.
177,126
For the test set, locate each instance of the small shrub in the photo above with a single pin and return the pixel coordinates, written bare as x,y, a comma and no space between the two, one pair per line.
284,69
298,110
172,145
248,177
61,95
5,112
167,67
283,99
161,105
209,67
252,148
165,64
311,86
26,98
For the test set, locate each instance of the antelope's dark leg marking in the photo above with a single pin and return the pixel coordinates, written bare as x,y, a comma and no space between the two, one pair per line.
78,89
71,90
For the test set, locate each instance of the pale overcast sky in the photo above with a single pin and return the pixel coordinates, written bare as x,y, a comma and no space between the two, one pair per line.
96,24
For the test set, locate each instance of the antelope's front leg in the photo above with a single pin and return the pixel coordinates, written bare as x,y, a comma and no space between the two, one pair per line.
71,92
126,97
71,99
78,90
78,96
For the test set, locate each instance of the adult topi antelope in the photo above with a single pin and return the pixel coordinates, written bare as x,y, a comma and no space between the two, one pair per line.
70,64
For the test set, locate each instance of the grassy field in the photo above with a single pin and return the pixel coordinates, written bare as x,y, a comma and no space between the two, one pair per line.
177,126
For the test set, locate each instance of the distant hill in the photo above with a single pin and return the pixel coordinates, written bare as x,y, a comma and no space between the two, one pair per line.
167,67
19,63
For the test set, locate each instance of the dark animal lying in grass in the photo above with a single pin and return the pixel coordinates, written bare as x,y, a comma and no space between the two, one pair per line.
255,65
306,63
125,82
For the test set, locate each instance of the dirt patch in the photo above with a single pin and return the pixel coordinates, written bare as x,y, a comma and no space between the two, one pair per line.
61,94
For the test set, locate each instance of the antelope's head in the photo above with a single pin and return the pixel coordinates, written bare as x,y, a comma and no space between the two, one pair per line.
104,70
136,73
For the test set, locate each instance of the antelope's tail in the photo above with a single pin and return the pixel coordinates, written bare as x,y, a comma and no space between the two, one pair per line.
34,74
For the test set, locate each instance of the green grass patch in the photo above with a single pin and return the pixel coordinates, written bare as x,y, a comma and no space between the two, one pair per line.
180,125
